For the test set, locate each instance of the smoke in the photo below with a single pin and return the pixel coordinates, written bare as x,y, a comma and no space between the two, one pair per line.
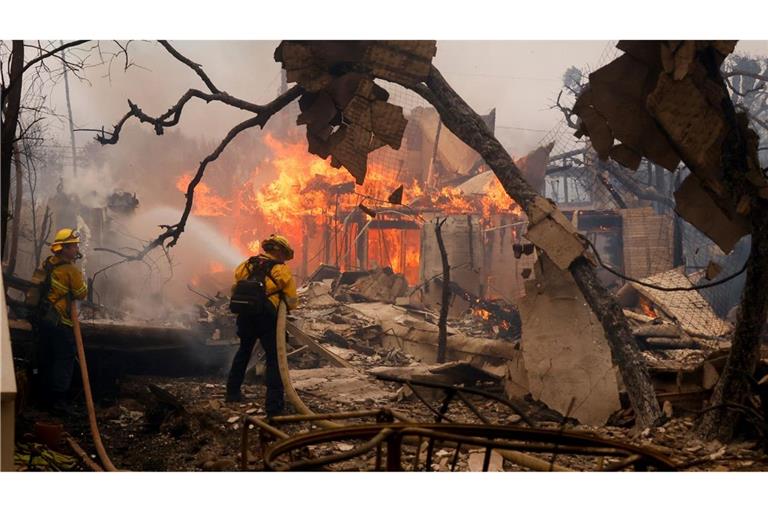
201,241
92,185
151,166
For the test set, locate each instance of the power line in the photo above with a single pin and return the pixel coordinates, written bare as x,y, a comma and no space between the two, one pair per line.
505,77
519,128
662,288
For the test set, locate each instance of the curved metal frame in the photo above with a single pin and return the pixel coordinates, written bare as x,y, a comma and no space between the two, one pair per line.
389,437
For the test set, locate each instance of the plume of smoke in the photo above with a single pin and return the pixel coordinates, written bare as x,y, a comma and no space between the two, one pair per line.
91,185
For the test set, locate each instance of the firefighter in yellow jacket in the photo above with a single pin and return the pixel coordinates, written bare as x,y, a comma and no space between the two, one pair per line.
256,317
64,283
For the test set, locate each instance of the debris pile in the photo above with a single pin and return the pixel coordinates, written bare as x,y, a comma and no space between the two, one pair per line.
215,321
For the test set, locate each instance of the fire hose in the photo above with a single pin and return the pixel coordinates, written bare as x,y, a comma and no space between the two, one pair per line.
87,391
515,457
282,363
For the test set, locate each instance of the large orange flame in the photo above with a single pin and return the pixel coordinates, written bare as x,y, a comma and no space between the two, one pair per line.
305,199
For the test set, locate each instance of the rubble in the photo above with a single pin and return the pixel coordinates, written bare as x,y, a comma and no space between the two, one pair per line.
476,461
675,306
380,285
345,386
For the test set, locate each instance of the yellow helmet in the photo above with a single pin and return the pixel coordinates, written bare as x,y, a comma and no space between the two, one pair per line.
278,242
65,236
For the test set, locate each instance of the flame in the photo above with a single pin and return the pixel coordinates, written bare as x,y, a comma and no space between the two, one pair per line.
305,199
496,200
452,200
396,249
481,313
647,308
215,267
206,203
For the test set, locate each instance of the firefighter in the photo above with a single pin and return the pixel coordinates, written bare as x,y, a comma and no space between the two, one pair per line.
269,269
56,349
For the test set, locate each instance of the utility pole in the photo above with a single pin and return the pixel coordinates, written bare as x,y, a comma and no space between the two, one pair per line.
69,114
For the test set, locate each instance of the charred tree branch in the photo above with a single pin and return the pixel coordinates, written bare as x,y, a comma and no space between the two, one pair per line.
173,115
640,191
758,120
197,68
14,247
54,51
567,113
44,56
736,72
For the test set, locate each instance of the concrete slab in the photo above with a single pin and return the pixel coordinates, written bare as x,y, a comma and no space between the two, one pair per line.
564,349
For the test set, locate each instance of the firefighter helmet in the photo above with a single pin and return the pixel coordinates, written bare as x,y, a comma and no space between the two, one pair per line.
280,243
65,236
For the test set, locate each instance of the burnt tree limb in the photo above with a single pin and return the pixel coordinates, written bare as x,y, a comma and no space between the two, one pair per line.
173,115
466,124
640,191
197,68
11,106
445,298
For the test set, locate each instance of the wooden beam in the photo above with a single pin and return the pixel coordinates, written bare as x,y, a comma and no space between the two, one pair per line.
306,340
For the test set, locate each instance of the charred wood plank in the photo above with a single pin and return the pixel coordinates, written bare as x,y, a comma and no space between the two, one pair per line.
304,339
340,341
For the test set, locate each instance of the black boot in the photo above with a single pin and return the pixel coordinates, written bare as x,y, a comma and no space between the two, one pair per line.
233,396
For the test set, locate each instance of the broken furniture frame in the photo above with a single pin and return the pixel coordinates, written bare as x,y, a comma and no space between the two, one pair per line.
388,439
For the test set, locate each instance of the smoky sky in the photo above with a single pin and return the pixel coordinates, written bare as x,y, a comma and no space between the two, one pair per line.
521,79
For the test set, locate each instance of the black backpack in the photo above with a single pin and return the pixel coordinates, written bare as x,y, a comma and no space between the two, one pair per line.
36,299
250,295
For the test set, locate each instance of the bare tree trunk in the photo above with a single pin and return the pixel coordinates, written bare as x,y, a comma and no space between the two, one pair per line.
466,124
14,247
733,388
442,336
11,104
